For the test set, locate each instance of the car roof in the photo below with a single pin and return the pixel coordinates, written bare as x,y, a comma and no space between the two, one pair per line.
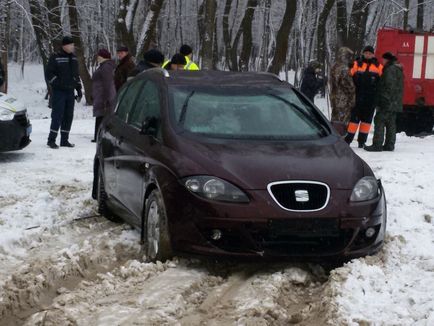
215,77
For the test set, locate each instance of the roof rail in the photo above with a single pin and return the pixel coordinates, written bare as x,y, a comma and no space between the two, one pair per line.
270,75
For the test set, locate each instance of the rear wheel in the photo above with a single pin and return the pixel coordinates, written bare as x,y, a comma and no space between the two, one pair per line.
102,201
156,229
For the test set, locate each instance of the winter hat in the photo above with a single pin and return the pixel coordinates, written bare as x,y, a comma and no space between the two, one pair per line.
154,56
122,48
178,59
389,56
104,53
369,49
186,49
67,40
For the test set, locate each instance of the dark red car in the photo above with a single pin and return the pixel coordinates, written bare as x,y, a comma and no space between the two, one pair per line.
234,164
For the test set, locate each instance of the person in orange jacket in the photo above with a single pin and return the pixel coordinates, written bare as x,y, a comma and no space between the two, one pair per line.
366,72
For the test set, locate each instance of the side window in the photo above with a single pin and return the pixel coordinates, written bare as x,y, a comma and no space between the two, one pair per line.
127,99
147,105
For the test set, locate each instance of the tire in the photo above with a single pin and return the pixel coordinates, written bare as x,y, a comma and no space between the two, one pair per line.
157,242
102,201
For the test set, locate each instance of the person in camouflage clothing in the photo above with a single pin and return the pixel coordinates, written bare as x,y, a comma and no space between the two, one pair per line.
342,89
390,92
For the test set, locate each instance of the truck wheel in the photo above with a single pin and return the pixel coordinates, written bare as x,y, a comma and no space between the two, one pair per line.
156,229
102,201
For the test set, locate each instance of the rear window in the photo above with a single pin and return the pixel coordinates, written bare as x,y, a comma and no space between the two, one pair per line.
245,112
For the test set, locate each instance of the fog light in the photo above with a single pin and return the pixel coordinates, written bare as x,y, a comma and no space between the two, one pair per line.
370,232
216,234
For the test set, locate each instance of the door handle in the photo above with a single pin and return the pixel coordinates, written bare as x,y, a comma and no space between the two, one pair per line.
144,167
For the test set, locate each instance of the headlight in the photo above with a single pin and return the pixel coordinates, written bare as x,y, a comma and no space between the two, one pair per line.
215,189
6,115
365,189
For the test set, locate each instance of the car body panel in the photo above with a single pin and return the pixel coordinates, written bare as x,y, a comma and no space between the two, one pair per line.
134,163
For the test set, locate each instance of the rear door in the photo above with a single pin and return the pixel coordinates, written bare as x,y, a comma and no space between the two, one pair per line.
137,156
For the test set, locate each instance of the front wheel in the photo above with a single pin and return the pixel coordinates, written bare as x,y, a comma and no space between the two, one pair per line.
156,229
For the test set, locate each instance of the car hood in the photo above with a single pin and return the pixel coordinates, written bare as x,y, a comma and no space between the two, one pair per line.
252,165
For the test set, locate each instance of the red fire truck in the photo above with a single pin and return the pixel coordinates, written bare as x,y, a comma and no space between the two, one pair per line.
415,51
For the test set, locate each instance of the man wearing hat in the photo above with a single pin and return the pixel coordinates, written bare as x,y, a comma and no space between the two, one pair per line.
62,75
125,67
390,92
366,72
151,59
187,52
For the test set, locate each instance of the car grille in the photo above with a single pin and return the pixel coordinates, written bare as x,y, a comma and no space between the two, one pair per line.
300,196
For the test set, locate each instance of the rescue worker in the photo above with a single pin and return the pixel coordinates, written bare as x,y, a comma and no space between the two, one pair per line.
151,59
177,62
390,92
366,72
2,75
342,89
125,67
187,52
312,81
62,75
103,88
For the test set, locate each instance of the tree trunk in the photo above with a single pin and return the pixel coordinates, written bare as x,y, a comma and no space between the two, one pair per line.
341,23
246,27
79,51
357,28
208,37
148,38
227,37
420,13
55,23
5,18
124,29
406,5
282,37
40,30
321,36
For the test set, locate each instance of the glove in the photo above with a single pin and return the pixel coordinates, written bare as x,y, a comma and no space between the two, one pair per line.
79,95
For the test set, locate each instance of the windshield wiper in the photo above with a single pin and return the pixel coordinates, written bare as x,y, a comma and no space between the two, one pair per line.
184,108
299,109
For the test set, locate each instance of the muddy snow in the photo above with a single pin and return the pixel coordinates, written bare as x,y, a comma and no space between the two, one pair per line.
62,264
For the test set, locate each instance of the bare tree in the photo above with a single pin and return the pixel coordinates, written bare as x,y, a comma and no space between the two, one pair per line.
210,8
79,50
282,37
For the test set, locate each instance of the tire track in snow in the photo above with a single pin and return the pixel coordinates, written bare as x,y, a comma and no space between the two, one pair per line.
59,258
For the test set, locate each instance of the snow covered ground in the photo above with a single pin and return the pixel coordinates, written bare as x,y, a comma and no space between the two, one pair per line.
61,264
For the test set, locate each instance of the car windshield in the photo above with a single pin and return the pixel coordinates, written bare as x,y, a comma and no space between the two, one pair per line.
245,112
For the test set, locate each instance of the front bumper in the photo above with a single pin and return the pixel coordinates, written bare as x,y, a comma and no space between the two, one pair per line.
261,229
15,133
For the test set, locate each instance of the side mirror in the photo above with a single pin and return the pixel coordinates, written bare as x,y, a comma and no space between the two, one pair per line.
340,127
149,126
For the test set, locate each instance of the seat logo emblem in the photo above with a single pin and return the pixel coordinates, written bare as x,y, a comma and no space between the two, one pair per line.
301,196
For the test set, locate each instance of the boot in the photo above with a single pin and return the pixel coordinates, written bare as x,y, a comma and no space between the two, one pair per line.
66,144
373,148
52,144
361,145
389,148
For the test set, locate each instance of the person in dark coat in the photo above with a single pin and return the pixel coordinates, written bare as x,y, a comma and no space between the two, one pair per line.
342,89
62,75
125,67
390,93
2,75
151,59
366,72
311,82
103,88
177,62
